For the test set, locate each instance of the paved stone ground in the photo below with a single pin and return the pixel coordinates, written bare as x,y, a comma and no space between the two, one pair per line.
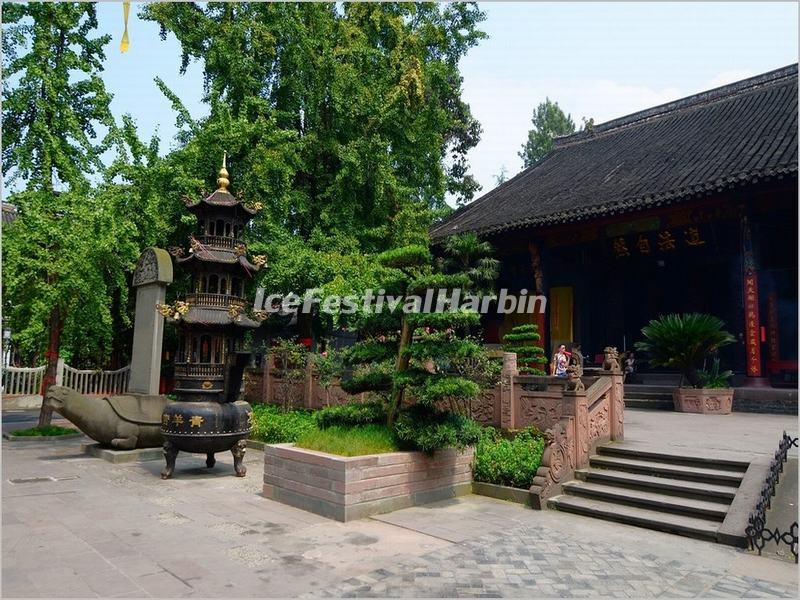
745,433
783,511
75,526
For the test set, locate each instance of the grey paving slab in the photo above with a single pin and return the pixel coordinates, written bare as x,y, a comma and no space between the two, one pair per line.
118,530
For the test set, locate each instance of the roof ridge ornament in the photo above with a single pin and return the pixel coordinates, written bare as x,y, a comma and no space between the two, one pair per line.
222,181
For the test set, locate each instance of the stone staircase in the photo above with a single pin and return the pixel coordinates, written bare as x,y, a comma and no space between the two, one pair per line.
656,397
670,492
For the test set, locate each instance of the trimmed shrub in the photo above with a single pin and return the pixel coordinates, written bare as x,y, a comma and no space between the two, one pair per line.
524,341
424,428
407,256
349,415
512,462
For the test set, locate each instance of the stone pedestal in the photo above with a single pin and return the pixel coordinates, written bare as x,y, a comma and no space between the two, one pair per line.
153,274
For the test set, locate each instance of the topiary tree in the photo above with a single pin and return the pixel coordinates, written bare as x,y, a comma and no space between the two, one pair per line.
408,354
524,341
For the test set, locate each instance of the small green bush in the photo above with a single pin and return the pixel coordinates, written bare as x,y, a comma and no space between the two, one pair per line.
427,429
350,441
512,462
48,430
349,415
274,425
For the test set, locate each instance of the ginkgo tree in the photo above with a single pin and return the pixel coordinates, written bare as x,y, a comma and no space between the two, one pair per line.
66,255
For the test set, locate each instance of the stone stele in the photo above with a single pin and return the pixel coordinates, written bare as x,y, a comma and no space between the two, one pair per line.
153,274
123,422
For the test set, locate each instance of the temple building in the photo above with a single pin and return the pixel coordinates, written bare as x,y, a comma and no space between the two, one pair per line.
690,206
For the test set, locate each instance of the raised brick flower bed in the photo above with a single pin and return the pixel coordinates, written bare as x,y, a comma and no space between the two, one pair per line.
348,488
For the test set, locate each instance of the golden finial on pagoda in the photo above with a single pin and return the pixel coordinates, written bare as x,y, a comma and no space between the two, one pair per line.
222,180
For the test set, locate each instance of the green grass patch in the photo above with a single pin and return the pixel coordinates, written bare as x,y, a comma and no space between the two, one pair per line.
274,425
350,441
47,430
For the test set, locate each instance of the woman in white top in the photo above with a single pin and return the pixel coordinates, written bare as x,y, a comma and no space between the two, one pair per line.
560,361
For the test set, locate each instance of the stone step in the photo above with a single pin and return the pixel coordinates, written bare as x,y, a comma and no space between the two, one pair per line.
633,515
634,389
647,467
664,485
709,461
647,499
660,379
649,403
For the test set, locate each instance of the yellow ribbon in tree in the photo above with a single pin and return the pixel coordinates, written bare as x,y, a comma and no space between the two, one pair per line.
124,44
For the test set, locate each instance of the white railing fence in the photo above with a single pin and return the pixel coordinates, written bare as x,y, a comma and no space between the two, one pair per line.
27,381
97,383
22,381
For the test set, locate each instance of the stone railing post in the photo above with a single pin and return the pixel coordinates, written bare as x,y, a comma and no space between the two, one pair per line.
617,409
558,462
507,408
60,372
576,405
612,369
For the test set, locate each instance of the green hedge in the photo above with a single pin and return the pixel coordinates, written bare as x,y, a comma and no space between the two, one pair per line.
348,415
512,462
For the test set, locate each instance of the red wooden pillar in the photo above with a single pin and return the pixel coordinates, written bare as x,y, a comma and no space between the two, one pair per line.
752,323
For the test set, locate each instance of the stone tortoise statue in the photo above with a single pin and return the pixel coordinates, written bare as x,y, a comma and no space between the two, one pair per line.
123,422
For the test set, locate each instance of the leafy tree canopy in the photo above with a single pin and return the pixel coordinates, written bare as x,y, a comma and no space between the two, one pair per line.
54,97
337,117
549,122
67,256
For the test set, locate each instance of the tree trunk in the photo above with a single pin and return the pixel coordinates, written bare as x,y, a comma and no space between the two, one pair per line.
400,365
55,325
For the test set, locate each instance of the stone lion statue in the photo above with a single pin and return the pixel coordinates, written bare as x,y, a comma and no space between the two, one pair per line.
611,360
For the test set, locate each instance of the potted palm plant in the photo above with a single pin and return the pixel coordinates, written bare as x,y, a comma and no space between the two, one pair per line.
684,342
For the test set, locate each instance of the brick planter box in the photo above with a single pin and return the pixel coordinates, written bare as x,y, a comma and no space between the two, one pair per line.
348,488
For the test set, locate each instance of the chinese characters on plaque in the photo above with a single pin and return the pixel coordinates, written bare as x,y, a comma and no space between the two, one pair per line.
661,242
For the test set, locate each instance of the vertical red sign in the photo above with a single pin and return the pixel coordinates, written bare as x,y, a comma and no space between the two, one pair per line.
752,333
773,341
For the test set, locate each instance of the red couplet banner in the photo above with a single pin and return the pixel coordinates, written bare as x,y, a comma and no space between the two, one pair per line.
752,334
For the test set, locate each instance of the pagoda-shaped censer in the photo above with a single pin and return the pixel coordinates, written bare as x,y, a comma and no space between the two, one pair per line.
211,320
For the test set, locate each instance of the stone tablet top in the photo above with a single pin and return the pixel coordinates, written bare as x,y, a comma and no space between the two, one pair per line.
154,266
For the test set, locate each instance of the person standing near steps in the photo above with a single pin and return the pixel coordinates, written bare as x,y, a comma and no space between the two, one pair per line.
558,366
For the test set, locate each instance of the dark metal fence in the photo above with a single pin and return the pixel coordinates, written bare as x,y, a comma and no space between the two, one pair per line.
757,533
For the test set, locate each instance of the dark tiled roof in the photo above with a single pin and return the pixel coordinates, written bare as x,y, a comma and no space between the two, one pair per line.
216,316
220,198
721,138
218,255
